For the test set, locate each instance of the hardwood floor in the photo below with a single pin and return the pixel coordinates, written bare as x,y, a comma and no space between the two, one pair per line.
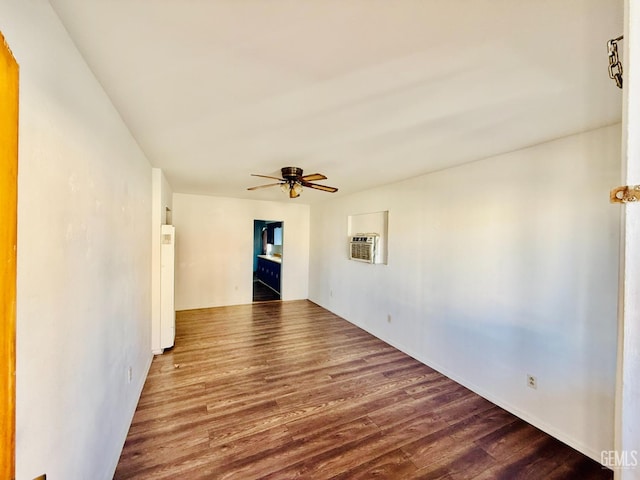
282,390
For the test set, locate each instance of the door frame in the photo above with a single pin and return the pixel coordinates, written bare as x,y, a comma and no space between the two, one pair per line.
9,86
627,418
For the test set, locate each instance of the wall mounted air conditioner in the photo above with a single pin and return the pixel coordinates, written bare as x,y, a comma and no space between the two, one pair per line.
363,247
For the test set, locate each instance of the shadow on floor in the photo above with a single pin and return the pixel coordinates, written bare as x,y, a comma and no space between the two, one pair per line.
262,293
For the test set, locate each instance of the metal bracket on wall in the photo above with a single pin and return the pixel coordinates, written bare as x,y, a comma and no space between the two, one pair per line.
615,67
625,194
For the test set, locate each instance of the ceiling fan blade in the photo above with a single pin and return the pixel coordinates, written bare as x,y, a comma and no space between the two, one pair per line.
266,176
263,186
313,177
324,188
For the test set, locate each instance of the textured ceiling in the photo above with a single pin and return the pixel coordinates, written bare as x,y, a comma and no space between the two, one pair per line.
367,92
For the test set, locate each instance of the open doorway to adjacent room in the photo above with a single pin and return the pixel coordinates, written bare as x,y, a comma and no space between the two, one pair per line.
267,260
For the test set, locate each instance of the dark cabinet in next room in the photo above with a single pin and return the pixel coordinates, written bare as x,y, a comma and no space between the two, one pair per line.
269,273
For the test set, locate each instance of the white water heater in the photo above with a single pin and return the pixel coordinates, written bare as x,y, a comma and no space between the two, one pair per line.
167,287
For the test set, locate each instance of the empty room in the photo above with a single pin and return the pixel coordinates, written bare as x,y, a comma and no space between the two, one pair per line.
320,239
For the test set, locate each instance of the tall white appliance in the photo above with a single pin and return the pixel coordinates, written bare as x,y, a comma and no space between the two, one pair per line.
167,287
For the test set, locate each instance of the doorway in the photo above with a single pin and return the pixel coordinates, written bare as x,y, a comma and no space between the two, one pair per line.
267,260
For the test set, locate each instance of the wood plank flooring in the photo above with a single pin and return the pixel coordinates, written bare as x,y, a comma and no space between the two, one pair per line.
282,390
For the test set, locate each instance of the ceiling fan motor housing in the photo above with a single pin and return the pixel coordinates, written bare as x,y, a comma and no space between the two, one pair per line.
291,173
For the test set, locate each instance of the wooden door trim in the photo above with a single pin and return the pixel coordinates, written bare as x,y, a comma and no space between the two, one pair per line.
8,245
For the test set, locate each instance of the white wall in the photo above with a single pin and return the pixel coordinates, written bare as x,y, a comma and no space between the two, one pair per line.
214,249
84,258
496,269
162,198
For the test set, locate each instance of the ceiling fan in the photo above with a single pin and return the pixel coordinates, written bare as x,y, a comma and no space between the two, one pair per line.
292,181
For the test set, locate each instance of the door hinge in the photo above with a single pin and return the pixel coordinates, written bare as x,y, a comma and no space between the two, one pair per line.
625,194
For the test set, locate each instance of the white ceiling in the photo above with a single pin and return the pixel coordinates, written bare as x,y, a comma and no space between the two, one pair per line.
367,92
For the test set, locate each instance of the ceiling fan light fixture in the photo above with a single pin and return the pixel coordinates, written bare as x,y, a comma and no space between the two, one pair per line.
292,188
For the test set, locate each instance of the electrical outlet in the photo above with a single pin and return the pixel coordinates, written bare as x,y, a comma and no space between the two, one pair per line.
388,318
532,382
129,374
331,293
